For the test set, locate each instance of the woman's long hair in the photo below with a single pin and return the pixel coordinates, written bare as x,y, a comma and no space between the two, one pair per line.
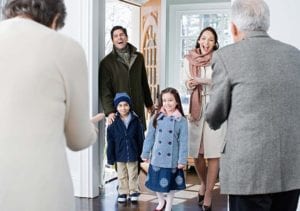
212,30
173,92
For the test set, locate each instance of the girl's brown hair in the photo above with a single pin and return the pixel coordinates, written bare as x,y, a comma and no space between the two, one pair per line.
176,95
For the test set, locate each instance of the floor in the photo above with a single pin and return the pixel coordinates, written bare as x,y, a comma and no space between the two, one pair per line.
184,200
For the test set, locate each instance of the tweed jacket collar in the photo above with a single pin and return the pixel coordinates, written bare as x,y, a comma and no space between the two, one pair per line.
251,34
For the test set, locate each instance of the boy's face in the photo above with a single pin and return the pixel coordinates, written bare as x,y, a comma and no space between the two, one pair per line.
123,108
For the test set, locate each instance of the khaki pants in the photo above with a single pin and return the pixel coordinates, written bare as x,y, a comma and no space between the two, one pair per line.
128,177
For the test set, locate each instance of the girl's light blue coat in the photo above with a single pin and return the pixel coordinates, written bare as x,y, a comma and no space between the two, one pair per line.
166,145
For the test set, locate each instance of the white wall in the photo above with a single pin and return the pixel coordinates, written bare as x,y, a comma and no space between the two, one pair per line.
285,18
284,22
82,24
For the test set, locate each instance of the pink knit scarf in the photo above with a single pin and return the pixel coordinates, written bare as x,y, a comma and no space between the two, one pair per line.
196,61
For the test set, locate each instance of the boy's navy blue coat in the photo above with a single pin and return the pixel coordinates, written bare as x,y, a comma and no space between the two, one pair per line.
124,145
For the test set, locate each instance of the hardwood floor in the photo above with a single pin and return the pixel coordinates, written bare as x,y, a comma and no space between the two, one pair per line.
184,200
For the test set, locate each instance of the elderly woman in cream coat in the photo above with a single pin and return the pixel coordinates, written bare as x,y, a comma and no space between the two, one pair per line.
43,109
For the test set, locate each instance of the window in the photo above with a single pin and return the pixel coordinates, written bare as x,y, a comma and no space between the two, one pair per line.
2,2
186,22
123,14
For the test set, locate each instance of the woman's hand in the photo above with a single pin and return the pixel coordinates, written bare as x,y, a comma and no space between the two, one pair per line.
180,166
190,84
145,160
98,117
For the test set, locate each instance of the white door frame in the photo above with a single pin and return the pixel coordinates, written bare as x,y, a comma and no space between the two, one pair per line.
85,23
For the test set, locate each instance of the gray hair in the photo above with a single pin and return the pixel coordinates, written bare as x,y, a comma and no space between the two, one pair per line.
250,15
41,11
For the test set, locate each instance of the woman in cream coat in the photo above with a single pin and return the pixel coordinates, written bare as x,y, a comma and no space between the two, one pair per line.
204,143
44,107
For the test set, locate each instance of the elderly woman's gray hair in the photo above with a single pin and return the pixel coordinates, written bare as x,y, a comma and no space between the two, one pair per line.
250,15
41,11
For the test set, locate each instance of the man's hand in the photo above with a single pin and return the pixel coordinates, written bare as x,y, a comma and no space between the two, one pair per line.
151,110
111,118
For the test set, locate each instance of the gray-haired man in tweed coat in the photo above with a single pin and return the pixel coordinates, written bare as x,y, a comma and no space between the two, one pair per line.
256,88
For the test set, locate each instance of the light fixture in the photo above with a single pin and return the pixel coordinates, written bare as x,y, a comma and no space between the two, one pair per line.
135,2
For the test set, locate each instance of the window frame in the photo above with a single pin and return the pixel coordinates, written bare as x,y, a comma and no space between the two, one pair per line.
176,12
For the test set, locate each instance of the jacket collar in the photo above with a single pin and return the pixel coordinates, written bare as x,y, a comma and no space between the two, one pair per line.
251,34
132,49
177,115
133,55
133,115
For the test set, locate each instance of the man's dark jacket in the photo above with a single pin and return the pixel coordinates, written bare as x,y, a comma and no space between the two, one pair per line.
115,76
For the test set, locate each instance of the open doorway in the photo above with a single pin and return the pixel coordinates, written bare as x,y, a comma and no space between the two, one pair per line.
2,2
126,15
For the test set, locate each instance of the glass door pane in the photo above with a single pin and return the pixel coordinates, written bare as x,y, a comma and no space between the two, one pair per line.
190,24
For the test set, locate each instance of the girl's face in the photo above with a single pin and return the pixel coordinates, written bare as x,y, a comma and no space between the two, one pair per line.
207,42
123,108
169,103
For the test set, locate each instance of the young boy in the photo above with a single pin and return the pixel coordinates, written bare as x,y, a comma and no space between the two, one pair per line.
125,137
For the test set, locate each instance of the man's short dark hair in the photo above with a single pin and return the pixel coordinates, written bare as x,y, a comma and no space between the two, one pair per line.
116,28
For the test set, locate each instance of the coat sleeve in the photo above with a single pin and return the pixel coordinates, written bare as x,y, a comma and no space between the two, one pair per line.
183,142
110,150
217,109
187,75
149,141
105,88
140,138
80,132
145,85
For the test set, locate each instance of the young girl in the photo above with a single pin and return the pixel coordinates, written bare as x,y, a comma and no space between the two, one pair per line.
165,147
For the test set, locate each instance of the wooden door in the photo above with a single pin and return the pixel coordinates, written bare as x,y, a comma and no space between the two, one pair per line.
150,42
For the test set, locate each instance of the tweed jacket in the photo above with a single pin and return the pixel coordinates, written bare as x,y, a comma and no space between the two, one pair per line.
124,144
166,145
256,87
116,76
44,107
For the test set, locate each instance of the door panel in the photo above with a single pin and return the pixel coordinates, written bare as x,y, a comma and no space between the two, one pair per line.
150,35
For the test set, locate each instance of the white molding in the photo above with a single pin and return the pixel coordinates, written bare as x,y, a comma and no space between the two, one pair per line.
163,44
82,26
89,158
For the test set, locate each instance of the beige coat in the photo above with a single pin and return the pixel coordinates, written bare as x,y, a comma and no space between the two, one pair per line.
199,131
44,107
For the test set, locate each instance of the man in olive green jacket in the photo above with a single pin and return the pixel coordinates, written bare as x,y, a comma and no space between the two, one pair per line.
123,70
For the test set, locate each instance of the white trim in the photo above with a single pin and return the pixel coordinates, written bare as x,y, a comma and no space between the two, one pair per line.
163,44
82,25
